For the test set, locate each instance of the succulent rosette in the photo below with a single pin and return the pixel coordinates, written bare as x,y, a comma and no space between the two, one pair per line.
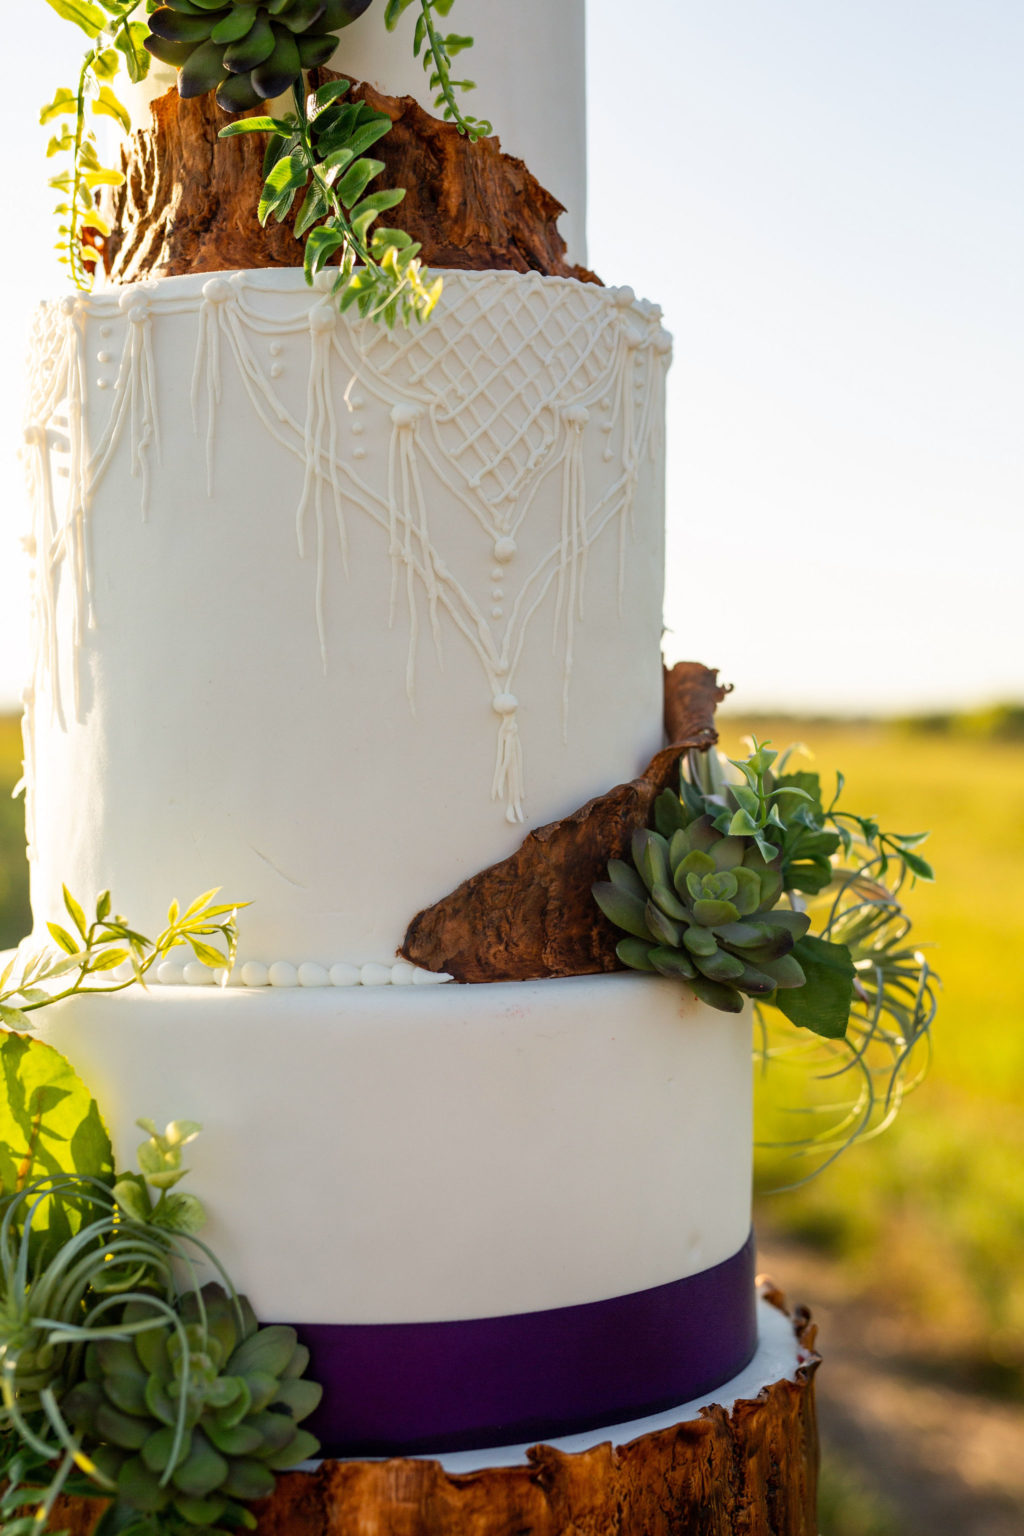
247,52
189,1422
698,905
699,900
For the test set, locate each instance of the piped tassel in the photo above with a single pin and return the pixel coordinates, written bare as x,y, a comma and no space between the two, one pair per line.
509,783
572,570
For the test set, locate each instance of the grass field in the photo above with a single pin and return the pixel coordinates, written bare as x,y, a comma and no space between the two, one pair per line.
926,1222
930,1216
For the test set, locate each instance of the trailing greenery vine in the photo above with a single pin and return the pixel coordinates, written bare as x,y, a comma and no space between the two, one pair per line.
318,150
116,39
251,52
438,51
86,957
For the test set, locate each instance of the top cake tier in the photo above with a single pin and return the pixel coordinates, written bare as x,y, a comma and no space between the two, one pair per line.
529,65
330,615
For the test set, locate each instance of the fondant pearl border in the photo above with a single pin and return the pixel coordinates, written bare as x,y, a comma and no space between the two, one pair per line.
283,973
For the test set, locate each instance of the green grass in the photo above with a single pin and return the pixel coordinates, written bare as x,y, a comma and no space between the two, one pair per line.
846,1507
928,1219
15,918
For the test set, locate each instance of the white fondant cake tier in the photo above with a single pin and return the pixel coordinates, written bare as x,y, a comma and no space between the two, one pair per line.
321,609
401,1155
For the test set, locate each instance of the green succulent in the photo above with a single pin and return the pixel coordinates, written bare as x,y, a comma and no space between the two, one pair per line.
189,1422
697,905
247,51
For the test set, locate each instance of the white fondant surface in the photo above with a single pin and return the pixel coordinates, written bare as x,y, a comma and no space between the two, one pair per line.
422,1154
778,1356
319,607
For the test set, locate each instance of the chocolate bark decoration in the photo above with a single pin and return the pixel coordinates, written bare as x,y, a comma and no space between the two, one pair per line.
752,1470
189,200
533,914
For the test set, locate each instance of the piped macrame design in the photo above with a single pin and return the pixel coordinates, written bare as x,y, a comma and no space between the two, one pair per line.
518,379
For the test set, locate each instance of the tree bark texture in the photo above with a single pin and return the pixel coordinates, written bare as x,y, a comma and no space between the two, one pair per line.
749,1472
189,200
533,914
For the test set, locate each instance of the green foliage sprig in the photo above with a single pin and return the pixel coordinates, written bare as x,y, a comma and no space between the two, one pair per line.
438,50
319,151
700,901
179,1407
87,954
116,38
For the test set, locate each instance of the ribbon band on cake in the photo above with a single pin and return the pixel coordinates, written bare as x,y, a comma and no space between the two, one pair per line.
395,1389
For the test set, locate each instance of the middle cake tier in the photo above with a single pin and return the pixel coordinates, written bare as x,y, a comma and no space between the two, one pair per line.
328,615
497,1210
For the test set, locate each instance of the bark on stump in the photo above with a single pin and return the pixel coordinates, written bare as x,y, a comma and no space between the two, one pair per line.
750,1472
189,200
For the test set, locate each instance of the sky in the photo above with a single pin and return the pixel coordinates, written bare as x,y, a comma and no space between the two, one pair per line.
826,199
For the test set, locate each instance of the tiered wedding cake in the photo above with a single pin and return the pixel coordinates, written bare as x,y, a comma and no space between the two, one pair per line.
331,615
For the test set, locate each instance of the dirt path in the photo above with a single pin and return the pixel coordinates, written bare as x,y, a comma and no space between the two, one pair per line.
948,1462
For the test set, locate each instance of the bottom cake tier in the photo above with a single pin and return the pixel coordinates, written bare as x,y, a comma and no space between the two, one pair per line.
744,1458
495,1213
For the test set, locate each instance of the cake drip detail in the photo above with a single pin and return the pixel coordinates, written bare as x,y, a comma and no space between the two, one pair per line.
519,382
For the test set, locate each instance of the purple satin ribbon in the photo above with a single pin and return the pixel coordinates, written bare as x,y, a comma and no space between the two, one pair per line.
393,1389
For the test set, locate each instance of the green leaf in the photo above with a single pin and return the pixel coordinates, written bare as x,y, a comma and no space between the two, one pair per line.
85,15
180,1212
393,11
917,866
131,1196
106,64
49,1123
325,94
130,40
822,1004
207,954
252,125
635,953
363,215
75,912
321,245
623,910
356,179
279,191
314,206
107,105
64,939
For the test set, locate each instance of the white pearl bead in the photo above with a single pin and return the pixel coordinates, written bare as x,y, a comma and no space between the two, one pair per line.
283,974
373,975
170,973
254,974
311,974
343,975
196,974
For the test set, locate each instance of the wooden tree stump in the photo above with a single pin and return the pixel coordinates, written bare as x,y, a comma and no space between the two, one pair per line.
749,1472
534,915
189,200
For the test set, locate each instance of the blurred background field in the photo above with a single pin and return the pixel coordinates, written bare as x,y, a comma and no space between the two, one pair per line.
908,1250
